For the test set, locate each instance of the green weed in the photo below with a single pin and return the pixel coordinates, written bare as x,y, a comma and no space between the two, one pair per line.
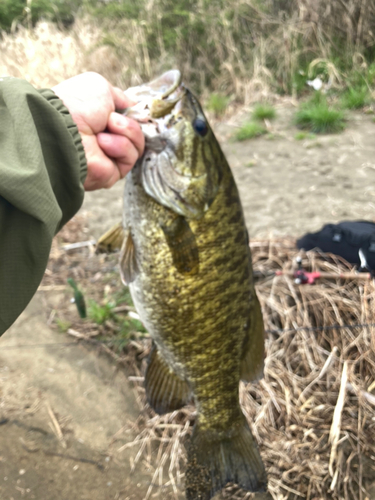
317,116
300,136
62,11
128,329
297,84
264,112
250,164
217,103
356,97
63,325
119,327
123,297
100,313
249,130
371,74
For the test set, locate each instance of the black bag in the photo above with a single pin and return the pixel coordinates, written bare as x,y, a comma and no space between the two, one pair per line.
345,239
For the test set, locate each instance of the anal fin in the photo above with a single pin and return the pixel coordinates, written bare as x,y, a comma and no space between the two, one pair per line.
165,391
252,360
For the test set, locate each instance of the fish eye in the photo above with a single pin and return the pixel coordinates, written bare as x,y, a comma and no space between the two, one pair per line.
200,126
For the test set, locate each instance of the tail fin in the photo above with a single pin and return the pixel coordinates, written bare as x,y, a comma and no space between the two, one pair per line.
217,459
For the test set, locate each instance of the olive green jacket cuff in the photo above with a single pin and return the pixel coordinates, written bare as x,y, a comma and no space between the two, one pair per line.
42,170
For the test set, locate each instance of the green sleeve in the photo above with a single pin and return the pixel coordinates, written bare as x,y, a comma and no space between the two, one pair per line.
42,170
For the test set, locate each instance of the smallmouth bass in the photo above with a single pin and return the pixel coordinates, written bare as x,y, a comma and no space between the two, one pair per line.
187,261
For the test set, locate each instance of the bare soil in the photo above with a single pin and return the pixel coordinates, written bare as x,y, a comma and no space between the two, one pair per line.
64,407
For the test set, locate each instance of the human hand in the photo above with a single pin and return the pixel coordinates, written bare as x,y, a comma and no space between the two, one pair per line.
112,142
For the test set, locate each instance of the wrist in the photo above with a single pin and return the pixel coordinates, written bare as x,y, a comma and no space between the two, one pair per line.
72,127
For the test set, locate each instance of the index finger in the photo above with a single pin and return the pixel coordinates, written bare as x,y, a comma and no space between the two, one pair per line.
122,125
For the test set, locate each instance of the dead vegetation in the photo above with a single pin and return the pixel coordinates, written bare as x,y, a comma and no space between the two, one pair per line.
312,414
247,50
46,55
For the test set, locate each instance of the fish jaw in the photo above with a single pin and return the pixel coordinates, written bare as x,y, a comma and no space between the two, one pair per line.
155,99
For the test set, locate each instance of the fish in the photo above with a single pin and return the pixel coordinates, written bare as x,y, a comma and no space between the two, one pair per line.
187,261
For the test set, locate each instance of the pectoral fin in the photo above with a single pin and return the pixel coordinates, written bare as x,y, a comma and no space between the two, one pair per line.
165,391
252,361
128,261
182,244
111,241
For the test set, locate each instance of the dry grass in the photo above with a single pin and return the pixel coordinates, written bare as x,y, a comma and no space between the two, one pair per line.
247,50
47,55
315,404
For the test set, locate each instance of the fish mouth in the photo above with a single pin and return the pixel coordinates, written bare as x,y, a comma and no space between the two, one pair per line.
155,99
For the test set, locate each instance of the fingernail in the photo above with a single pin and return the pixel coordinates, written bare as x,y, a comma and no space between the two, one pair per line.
121,121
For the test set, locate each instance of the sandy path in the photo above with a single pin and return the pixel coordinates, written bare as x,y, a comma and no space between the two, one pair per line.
61,408
287,187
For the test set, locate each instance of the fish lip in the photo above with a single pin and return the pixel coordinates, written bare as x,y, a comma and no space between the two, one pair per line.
176,78
155,99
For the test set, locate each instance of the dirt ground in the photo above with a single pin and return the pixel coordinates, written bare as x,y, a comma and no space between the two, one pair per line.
65,408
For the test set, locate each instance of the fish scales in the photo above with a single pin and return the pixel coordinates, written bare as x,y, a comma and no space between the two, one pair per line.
188,264
194,316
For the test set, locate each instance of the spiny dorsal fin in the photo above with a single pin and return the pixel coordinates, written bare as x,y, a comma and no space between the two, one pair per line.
111,241
128,261
252,359
165,391
182,244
